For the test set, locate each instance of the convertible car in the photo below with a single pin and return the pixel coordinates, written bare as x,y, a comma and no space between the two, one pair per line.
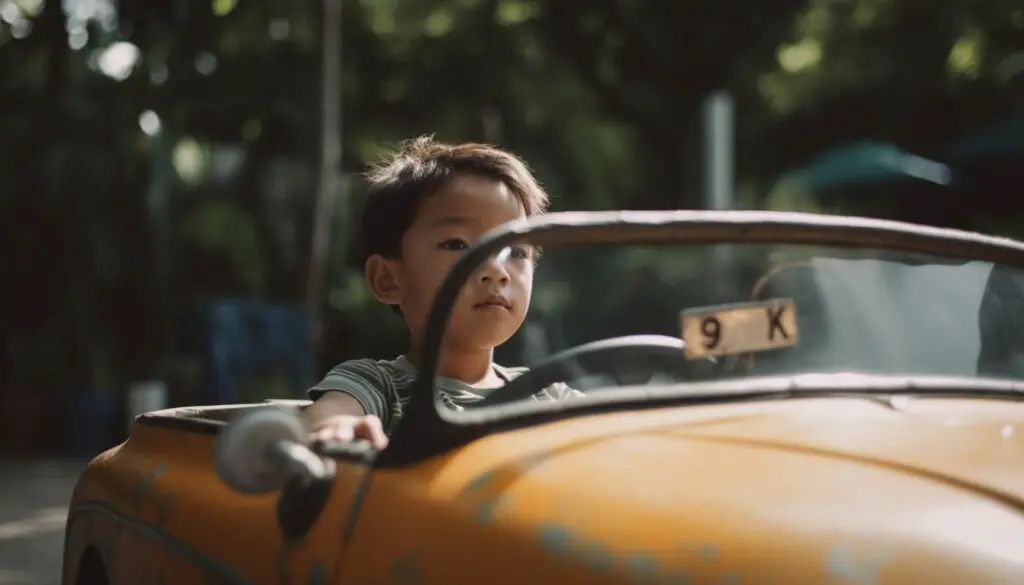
793,399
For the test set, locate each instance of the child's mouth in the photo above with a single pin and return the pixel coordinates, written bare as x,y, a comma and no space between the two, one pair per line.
494,303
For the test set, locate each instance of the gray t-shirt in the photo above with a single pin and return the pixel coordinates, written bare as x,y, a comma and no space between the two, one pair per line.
382,387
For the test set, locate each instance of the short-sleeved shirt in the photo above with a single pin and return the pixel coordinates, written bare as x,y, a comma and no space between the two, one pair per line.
383,387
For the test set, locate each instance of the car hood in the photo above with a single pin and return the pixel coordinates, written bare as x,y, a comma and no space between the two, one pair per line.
853,490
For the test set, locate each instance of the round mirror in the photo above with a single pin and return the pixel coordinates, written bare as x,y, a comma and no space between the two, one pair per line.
243,454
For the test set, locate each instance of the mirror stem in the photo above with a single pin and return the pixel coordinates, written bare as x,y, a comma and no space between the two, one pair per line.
299,459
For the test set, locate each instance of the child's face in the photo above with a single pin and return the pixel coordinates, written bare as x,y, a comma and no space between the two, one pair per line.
493,303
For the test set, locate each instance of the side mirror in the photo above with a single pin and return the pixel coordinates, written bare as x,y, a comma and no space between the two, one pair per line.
263,450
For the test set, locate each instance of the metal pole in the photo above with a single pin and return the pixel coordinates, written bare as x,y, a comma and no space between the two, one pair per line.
330,162
719,151
719,176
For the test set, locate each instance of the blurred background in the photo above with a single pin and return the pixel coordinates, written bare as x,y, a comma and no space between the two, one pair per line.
180,178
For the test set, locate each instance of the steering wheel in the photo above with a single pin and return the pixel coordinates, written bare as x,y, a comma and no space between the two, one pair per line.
600,356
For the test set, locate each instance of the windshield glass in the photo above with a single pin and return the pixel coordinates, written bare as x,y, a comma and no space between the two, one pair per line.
740,311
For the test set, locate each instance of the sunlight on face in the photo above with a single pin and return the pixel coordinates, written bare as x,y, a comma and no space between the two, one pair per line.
494,301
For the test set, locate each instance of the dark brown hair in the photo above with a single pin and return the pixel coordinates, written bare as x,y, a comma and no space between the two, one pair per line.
417,169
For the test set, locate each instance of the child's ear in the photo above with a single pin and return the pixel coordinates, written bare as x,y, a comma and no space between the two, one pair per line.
381,278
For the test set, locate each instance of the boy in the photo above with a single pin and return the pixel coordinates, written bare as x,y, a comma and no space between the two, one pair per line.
426,204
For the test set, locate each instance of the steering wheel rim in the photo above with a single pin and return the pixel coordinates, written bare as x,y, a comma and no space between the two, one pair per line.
588,357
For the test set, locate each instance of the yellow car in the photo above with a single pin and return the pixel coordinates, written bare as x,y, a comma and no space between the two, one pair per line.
786,398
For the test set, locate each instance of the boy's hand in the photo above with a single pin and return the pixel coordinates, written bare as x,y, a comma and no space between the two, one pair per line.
347,427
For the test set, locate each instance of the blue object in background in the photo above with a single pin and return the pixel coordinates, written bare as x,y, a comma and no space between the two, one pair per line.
89,414
243,338
870,162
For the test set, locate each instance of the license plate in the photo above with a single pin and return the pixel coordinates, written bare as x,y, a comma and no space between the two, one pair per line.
739,328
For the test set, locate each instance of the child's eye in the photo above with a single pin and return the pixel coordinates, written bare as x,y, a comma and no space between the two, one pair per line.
520,253
453,244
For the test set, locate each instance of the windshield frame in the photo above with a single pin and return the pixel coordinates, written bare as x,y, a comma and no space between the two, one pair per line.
428,427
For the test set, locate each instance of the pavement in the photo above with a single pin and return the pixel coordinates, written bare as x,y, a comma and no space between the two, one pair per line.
34,496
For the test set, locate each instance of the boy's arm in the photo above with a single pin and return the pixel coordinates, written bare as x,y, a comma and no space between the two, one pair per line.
337,416
350,403
355,388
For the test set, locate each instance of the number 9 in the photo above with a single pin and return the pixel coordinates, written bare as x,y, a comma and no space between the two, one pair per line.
712,330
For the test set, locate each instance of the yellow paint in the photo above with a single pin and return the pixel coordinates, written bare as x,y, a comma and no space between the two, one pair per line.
190,504
828,490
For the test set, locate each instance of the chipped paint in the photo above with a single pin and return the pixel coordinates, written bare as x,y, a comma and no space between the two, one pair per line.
407,569
642,567
145,484
843,564
488,509
707,551
485,510
317,574
489,476
596,556
480,482
555,539
560,541
144,487
165,507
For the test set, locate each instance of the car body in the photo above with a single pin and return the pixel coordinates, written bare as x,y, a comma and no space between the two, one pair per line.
847,478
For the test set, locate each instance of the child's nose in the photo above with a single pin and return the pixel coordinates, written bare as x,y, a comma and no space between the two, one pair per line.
494,269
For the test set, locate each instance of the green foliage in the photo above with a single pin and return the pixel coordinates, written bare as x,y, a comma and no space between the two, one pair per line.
220,229
602,97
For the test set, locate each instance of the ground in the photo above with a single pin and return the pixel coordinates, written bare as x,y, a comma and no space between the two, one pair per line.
34,496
